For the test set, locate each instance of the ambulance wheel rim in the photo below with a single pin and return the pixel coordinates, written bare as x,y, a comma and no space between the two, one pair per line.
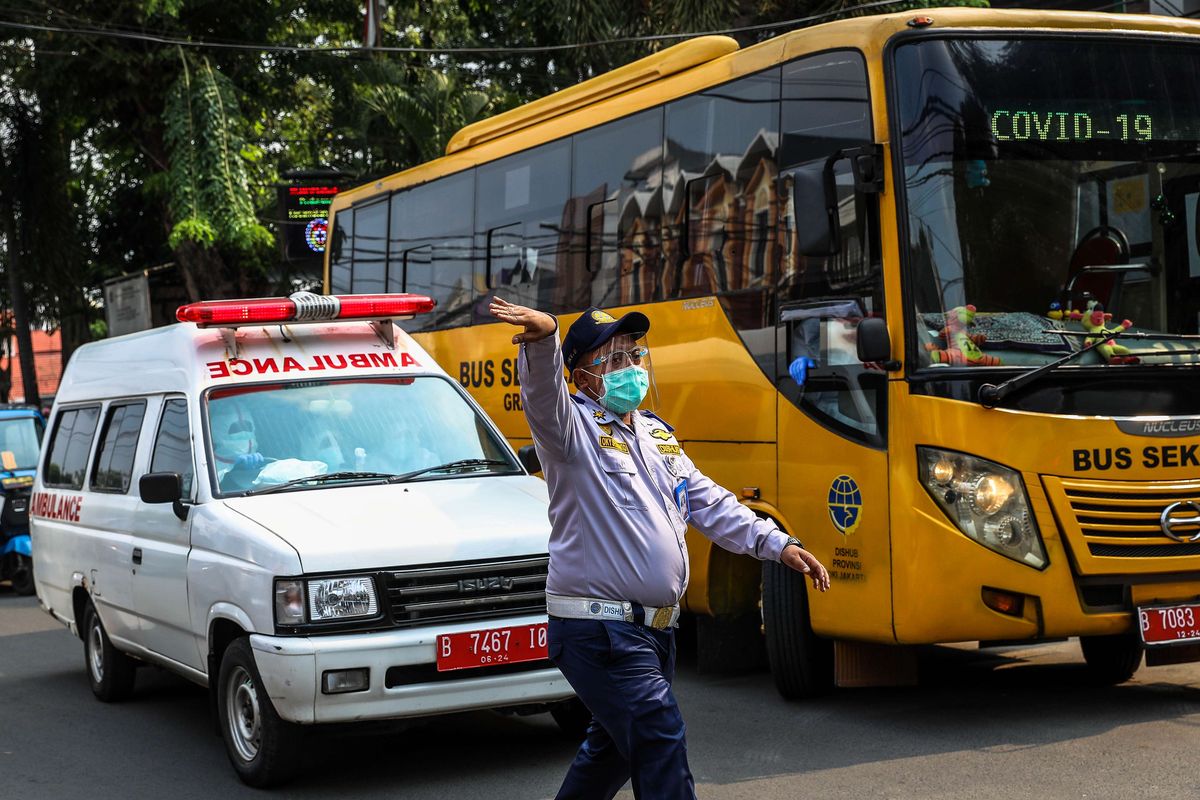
96,651
244,714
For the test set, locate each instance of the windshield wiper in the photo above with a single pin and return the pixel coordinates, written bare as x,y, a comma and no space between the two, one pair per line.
991,394
462,463
322,478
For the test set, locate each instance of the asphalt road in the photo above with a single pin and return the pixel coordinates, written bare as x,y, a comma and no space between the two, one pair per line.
1011,723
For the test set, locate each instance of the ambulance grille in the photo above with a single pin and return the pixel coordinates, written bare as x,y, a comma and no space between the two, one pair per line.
1119,519
476,590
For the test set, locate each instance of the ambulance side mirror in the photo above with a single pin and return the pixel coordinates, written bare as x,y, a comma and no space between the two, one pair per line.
160,487
164,487
527,455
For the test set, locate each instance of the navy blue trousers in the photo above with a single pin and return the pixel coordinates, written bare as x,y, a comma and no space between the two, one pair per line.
622,672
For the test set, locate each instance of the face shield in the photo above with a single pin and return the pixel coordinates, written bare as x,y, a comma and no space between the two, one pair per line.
232,433
624,368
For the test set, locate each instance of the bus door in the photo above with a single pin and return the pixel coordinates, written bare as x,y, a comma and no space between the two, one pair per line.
1182,245
832,425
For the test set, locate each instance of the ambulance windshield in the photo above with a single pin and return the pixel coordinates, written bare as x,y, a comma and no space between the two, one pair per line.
265,435
1051,187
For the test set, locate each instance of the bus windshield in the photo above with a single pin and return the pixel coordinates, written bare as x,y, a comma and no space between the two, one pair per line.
1051,190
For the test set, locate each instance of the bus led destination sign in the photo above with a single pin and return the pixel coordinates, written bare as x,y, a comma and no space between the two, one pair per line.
1048,125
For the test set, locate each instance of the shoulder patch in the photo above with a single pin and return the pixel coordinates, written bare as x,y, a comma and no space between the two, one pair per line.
660,420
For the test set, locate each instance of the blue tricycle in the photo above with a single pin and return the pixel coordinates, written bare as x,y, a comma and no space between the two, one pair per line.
20,440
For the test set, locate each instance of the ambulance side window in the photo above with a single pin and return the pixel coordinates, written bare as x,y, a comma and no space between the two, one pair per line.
173,446
70,444
113,470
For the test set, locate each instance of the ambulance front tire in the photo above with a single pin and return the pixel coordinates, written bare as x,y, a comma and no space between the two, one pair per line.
1111,659
801,661
263,748
572,718
111,673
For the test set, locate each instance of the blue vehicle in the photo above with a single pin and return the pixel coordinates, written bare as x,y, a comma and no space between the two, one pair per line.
20,441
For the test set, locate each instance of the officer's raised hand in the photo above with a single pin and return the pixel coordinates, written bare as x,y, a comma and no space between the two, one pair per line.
537,324
801,560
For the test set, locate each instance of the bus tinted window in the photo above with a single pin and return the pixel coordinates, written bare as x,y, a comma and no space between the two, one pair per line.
369,251
826,106
521,213
720,162
339,252
617,179
822,300
429,248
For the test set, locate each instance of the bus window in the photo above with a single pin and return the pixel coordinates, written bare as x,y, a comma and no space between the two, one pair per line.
339,252
826,106
617,172
521,211
822,300
368,253
429,245
720,162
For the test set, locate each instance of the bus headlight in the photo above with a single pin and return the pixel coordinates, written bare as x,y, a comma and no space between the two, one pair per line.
985,500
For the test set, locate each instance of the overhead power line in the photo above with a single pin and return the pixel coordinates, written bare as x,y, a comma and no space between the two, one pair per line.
173,41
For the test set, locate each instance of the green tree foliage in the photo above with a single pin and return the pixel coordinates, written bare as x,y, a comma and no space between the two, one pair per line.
208,187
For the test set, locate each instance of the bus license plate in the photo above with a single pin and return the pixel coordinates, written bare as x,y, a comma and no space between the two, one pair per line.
1170,624
491,648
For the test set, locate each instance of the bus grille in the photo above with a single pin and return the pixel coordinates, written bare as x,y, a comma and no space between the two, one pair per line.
1122,520
474,590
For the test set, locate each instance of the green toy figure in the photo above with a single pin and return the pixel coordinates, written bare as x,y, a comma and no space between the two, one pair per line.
1095,320
962,347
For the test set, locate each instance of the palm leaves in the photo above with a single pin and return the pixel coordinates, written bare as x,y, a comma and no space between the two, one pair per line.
422,116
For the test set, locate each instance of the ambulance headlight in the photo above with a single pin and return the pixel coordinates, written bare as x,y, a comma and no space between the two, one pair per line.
341,598
985,500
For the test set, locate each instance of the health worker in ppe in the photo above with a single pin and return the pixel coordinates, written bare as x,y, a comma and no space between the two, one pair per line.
235,446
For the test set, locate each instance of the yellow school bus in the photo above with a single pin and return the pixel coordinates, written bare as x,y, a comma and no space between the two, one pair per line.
924,289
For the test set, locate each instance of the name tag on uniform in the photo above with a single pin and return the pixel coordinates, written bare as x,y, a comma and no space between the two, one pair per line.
681,500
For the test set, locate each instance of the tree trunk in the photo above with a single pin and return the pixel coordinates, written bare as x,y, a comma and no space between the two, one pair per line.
16,290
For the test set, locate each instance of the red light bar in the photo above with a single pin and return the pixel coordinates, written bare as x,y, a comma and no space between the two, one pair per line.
303,307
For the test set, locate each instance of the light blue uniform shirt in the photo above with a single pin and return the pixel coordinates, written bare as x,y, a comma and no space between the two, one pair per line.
621,498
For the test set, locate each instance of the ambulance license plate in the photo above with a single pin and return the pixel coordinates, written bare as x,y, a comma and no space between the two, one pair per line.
491,648
1170,624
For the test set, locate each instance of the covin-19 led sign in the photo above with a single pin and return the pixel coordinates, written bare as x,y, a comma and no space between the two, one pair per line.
1069,126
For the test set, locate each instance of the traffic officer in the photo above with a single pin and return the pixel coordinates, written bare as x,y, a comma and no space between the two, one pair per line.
622,493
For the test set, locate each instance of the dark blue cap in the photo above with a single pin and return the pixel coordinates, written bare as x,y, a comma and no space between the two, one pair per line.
595,327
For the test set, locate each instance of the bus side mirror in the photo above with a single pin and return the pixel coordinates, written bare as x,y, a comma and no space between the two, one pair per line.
527,455
813,211
874,344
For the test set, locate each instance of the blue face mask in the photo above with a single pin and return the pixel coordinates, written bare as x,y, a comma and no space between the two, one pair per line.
624,389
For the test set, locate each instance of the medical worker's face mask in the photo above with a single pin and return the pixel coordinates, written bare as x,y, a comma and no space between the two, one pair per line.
624,389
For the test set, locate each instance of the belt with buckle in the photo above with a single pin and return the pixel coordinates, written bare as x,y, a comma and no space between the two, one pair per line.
615,610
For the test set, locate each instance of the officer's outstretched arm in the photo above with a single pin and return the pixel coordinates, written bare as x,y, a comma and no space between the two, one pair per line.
717,514
544,393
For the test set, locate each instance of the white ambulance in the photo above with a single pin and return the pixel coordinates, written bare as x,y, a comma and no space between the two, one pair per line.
287,501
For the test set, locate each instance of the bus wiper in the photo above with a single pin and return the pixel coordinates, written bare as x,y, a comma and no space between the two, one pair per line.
322,478
462,463
991,394
1155,337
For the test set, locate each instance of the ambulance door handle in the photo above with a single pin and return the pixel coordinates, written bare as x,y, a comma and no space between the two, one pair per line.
137,555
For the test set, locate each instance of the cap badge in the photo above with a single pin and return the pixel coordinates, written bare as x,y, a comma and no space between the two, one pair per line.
602,317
